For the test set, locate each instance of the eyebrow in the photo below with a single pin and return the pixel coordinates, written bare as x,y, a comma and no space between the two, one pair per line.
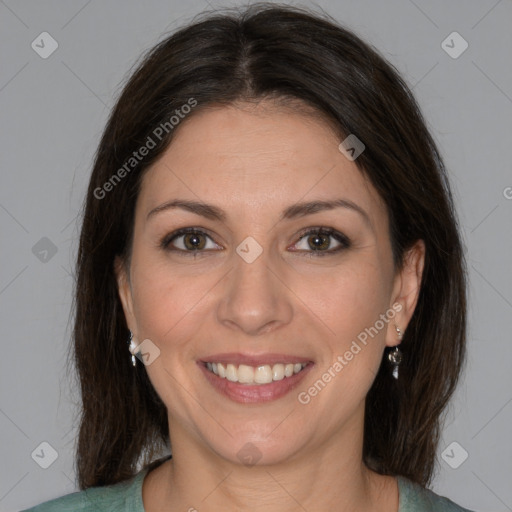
302,209
205,210
294,211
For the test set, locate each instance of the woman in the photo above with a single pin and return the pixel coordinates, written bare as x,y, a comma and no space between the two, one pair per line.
270,227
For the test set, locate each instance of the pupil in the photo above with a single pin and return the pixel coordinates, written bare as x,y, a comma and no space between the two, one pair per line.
319,242
193,241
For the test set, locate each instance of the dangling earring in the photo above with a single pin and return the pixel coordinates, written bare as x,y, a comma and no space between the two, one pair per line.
395,356
132,348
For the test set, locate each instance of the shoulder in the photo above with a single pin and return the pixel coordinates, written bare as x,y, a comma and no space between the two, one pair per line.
414,498
125,496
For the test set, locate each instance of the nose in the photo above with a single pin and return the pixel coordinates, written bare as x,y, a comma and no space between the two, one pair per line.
254,299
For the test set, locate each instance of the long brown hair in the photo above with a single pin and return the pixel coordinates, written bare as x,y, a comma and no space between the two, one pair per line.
280,52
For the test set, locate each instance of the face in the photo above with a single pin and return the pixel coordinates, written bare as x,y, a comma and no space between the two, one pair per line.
262,276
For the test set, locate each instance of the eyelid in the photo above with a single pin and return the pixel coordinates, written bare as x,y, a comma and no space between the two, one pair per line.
165,242
322,230
342,239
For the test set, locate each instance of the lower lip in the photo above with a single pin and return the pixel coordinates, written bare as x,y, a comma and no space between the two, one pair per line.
250,394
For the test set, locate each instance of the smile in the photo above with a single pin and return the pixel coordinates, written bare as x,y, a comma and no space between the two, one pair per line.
250,375
254,379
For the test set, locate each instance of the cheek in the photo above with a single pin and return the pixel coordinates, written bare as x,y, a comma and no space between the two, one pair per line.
350,306
170,309
168,304
350,299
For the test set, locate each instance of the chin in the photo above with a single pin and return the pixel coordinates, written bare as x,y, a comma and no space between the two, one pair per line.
256,448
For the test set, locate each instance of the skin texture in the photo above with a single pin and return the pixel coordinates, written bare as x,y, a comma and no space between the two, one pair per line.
253,161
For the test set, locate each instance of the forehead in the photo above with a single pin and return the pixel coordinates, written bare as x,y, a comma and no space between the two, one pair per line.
256,159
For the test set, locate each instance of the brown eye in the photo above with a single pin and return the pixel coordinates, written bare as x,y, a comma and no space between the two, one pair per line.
194,241
319,242
189,240
322,241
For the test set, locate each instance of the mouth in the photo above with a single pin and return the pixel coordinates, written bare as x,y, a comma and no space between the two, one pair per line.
247,380
250,375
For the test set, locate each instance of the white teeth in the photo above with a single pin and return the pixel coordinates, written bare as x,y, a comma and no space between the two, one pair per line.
231,373
278,372
263,374
245,374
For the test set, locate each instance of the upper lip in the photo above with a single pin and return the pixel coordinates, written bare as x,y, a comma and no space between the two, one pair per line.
254,359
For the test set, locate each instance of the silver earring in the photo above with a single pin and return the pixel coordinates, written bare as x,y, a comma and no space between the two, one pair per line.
395,356
132,348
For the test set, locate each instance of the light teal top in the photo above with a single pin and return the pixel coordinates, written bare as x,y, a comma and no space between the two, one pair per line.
127,496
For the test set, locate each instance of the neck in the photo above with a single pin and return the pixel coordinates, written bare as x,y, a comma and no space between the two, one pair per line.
331,476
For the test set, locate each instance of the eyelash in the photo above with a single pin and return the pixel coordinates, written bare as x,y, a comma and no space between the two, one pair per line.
344,241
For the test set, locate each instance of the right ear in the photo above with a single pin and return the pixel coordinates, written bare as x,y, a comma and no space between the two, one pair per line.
125,293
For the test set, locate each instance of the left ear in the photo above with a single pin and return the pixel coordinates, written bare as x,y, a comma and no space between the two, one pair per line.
406,290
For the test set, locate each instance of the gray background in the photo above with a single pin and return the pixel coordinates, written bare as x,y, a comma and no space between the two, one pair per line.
53,111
